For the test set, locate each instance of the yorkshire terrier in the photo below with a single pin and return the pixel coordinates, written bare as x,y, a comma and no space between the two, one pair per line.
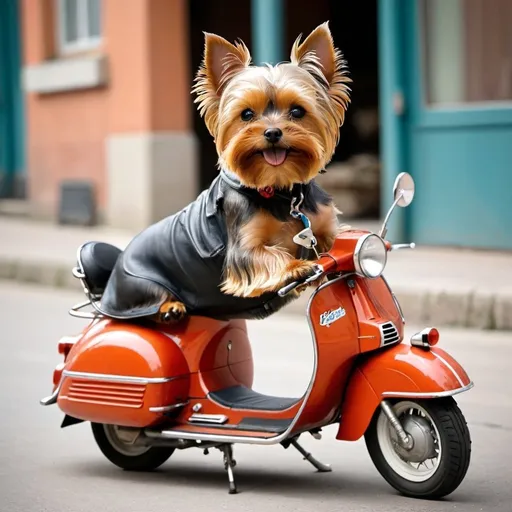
228,253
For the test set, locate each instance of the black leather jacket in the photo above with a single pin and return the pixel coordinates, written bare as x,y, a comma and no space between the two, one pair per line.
184,253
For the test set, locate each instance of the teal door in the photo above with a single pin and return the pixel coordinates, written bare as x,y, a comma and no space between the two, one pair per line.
11,102
448,106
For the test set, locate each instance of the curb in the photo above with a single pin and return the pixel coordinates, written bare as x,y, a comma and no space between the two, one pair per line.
454,308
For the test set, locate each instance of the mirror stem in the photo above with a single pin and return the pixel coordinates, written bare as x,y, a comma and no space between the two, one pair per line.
384,228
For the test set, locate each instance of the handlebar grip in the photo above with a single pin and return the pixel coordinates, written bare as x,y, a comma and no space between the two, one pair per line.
288,288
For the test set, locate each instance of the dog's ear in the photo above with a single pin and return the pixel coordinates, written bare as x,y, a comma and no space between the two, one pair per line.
318,46
318,55
222,61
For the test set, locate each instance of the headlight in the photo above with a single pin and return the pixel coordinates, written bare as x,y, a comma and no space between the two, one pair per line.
370,256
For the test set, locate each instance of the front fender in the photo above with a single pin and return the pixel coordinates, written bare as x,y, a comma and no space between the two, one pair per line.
402,371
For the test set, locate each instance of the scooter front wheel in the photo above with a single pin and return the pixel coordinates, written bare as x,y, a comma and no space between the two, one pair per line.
125,453
439,458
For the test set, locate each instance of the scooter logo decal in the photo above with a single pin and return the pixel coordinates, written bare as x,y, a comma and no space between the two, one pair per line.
331,316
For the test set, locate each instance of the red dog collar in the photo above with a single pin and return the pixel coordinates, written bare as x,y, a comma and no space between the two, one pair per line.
266,192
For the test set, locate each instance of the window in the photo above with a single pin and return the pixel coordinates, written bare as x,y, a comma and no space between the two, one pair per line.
79,25
468,50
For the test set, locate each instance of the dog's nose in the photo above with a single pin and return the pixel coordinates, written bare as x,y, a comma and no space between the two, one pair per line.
273,135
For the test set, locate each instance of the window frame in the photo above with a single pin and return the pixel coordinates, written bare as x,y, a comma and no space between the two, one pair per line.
82,43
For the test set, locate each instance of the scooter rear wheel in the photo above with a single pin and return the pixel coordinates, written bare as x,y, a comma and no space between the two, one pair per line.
128,456
439,458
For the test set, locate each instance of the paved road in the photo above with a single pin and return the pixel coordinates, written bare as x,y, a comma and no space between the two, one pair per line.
45,469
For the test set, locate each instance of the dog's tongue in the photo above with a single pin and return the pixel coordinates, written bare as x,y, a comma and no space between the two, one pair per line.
274,156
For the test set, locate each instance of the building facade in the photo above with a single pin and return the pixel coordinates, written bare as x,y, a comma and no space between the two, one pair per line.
446,112
105,104
104,99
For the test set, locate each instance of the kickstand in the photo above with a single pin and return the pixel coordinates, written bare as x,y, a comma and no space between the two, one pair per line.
229,464
322,468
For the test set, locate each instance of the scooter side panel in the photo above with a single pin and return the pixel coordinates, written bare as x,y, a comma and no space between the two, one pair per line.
118,372
121,348
120,403
402,371
333,321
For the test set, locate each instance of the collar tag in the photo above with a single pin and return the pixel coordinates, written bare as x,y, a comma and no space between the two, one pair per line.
304,238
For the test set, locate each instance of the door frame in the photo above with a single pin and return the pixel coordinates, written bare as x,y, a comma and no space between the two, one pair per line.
403,106
467,114
12,129
393,109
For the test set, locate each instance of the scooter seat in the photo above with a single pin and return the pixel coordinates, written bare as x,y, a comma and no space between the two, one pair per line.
97,260
241,397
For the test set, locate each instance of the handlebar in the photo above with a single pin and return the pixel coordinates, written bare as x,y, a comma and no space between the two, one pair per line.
324,264
327,263
395,247
288,288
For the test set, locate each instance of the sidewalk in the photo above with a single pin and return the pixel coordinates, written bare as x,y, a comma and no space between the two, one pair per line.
434,286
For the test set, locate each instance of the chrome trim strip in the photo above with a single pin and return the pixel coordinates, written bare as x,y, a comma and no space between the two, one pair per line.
434,394
397,304
52,399
166,408
448,365
128,379
217,419
217,438
357,250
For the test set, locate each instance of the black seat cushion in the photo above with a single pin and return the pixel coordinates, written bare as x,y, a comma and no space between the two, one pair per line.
240,397
98,260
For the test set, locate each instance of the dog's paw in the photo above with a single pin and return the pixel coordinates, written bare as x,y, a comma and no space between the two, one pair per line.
171,311
299,269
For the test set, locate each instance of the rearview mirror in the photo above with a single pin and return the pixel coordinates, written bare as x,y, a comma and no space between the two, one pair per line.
403,192
403,189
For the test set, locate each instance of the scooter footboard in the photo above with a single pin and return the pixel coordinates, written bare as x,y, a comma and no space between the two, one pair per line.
403,371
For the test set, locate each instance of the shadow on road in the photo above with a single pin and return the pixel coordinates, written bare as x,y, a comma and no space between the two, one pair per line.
308,485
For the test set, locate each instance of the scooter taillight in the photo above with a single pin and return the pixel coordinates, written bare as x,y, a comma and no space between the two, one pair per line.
426,338
433,337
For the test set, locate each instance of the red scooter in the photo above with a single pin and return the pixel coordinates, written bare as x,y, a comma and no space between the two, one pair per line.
149,390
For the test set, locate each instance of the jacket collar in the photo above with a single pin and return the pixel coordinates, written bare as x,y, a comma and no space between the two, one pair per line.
231,180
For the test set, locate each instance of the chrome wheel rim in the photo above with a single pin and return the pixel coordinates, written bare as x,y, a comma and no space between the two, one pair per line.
421,462
124,448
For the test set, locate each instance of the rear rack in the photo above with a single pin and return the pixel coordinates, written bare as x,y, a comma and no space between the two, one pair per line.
92,299
77,313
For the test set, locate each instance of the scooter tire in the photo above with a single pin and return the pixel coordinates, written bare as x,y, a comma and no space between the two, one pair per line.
455,456
149,460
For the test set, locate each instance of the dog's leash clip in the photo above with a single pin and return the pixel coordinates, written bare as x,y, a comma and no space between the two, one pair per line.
304,238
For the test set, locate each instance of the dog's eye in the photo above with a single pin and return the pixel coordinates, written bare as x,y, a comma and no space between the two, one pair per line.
297,112
247,114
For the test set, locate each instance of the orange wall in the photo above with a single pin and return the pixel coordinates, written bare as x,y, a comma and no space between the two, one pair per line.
66,139
148,57
146,44
65,131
